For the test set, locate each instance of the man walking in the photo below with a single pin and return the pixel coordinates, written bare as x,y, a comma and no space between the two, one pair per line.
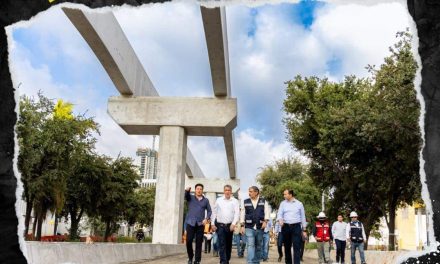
292,219
279,236
339,230
198,207
225,217
355,234
323,235
253,218
239,240
266,240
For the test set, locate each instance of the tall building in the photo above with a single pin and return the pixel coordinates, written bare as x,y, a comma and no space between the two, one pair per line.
148,166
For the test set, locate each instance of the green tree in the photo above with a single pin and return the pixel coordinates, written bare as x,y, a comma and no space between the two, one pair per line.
290,174
85,184
29,128
141,207
362,136
48,135
116,193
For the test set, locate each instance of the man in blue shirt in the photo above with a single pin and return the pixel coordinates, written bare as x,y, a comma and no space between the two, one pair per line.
199,213
292,219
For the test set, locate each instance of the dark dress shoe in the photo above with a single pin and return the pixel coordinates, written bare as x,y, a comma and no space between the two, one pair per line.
280,258
190,261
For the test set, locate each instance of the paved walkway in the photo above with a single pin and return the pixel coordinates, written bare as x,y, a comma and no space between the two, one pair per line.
209,259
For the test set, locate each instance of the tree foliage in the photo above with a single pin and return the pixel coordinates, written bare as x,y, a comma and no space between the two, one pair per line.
290,174
62,173
361,135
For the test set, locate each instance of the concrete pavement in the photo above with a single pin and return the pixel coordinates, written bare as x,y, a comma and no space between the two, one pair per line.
209,259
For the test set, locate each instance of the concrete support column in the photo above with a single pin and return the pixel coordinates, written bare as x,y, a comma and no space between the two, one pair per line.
168,212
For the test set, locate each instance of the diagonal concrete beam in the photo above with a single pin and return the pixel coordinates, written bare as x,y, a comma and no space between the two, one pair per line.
199,116
107,40
214,24
230,153
192,167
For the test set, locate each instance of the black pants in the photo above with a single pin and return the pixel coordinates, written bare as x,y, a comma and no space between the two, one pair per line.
340,250
292,235
196,231
303,244
280,244
224,242
207,245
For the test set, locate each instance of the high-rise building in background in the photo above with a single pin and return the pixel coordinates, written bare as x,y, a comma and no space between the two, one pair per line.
148,165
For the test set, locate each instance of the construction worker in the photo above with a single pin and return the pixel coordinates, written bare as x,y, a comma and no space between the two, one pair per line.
323,235
356,236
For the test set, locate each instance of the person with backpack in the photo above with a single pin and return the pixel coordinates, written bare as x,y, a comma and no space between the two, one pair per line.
323,235
356,236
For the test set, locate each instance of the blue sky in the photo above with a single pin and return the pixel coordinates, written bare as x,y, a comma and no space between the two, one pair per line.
268,45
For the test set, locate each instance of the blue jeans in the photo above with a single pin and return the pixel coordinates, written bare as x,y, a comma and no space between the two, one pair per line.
266,239
214,242
240,241
360,246
254,245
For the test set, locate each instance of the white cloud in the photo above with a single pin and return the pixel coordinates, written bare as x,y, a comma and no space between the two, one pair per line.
360,35
170,43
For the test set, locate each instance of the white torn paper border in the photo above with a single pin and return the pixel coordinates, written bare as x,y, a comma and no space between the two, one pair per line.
425,193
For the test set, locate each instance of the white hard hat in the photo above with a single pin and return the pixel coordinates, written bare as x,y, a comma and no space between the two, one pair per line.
353,214
321,215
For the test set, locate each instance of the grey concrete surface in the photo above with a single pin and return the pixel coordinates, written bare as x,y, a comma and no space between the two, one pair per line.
96,253
168,210
107,40
199,116
310,257
214,24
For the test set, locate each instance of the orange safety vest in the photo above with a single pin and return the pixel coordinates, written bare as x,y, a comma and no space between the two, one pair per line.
322,231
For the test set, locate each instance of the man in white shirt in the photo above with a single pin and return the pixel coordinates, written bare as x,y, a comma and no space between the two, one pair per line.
254,217
225,215
339,230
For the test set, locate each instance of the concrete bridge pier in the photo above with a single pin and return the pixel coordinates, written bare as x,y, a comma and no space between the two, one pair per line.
168,212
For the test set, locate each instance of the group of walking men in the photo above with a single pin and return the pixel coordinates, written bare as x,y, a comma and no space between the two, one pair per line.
341,233
254,219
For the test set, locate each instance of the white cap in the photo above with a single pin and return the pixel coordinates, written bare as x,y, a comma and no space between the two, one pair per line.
353,214
321,215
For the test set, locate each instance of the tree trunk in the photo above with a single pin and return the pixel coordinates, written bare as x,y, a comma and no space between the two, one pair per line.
391,228
107,230
27,217
74,223
34,225
39,226
55,226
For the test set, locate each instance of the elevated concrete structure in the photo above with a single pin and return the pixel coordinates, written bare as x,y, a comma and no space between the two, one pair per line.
141,111
192,167
107,40
214,24
199,116
168,210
